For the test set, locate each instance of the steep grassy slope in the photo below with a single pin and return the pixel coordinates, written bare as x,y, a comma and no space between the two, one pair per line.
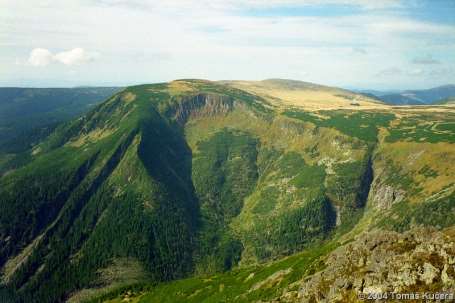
381,262
193,178
247,284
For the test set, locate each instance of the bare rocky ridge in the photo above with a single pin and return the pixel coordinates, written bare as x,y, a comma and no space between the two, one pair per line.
420,260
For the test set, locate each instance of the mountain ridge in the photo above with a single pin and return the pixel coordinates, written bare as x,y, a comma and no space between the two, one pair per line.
192,178
420,97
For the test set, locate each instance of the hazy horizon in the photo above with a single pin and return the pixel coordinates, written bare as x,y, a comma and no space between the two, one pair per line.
360,89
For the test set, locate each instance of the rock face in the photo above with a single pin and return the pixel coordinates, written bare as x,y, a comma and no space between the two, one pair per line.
202,105
420,260
383,195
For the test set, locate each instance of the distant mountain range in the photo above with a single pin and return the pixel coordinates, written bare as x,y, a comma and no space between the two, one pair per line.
414,97
28,114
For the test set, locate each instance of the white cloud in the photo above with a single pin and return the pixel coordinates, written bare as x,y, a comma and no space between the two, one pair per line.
151,41
40,57
43,57
75,56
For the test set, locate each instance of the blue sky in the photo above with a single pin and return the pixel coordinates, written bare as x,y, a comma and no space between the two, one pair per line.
376,44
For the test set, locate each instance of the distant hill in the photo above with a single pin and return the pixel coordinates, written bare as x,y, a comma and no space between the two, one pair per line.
372,96
374,92
420,97
27,114
306,95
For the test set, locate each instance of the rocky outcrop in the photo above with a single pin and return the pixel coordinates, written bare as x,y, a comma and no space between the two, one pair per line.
420,260
383,195
202,105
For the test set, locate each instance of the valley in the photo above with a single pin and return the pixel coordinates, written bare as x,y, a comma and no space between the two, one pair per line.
230,191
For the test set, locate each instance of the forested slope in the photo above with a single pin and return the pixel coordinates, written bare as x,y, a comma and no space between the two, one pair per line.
192,178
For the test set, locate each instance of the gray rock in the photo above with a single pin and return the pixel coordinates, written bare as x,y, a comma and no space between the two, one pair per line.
383,261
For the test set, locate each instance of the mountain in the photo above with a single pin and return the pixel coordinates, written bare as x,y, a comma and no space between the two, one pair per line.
374,92
233,191
32,113
306,95
419,97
